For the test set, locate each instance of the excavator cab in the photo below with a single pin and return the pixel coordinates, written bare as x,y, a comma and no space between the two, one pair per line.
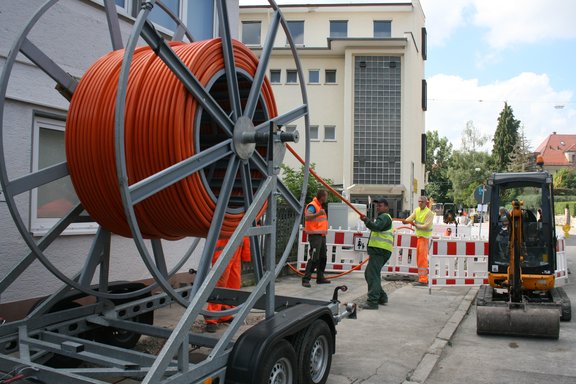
527,227
521,298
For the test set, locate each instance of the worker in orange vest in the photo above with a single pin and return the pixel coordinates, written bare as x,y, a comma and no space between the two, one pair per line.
422,218
316,228
231,278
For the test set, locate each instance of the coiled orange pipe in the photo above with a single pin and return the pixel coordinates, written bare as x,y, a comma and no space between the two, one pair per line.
162,128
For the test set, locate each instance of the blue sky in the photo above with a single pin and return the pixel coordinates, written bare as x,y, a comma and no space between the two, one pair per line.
482,53
485,52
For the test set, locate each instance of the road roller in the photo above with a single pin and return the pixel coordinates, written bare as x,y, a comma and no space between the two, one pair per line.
522,297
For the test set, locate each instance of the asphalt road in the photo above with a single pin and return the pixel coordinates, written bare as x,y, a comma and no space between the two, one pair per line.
474,359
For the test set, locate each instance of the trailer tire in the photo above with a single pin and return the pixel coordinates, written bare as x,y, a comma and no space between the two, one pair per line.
314,346
279,364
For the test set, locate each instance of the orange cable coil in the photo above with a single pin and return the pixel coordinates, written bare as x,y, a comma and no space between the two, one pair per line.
160,120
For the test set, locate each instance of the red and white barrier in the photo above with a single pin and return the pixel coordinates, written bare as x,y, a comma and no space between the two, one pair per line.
403,258
457,263
453,261
561,264
346,249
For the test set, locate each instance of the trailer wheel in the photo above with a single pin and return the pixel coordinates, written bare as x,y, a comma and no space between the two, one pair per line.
314,346
278,365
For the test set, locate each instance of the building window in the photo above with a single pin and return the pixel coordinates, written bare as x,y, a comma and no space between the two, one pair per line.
338,28
382,28
314,76
329,133
296,29
161,18
275,76
424,95
122,4
314,136
330,76
54,200
251,32
424,43
291,76
377,127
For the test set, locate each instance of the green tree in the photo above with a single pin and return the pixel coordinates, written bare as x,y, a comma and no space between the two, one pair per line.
505,138
565,178
294,179
438,160
469,167
520,158
468,171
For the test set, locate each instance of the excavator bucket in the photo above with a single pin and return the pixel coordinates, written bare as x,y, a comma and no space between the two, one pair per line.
543,322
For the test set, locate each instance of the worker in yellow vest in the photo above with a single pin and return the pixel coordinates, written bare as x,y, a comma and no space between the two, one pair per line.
379,249
422,219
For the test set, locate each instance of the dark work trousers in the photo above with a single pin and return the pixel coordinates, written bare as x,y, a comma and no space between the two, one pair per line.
372,274
316,257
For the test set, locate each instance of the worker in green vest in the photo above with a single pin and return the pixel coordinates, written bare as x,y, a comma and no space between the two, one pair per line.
379,251
422,219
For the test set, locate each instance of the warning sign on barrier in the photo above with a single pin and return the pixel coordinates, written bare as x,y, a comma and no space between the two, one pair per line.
361,242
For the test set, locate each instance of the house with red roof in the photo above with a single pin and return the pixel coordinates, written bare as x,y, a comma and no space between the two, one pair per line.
558,151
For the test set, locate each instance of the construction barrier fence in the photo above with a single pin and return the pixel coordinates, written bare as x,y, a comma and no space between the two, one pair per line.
452,261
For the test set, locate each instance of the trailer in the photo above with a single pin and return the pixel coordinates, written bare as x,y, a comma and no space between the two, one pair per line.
167,138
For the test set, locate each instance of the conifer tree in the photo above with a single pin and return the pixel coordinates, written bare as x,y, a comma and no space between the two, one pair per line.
505,138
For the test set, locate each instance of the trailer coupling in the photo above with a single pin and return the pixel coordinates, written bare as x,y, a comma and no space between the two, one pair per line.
350,309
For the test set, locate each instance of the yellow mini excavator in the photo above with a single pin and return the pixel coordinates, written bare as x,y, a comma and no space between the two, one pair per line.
522,298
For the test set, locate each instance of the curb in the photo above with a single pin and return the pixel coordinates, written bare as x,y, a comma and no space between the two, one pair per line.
432,355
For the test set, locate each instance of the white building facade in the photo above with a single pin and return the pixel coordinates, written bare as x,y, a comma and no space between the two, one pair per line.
364,69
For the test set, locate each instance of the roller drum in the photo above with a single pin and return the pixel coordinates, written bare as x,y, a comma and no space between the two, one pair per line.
528,321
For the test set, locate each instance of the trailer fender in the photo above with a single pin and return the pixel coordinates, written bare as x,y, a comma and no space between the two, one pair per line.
251,347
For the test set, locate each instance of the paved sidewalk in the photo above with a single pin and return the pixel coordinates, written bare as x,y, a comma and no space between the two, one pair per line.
398,343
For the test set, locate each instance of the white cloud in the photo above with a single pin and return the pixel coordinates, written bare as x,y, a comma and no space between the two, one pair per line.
506,22
453,101
443,17
525,21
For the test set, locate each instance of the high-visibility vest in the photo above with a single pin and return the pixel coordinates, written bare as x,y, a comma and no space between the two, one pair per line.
384,239
420,219
319,224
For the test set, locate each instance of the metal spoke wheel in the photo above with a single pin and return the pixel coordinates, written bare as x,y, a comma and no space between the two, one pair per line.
314,347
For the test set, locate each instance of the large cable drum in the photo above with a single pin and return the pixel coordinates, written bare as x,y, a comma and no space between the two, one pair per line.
164,125
166,138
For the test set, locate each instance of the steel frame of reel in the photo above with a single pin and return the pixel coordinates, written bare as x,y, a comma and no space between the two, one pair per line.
41,331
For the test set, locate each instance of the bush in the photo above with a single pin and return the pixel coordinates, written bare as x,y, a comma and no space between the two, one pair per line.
560,206
563,198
